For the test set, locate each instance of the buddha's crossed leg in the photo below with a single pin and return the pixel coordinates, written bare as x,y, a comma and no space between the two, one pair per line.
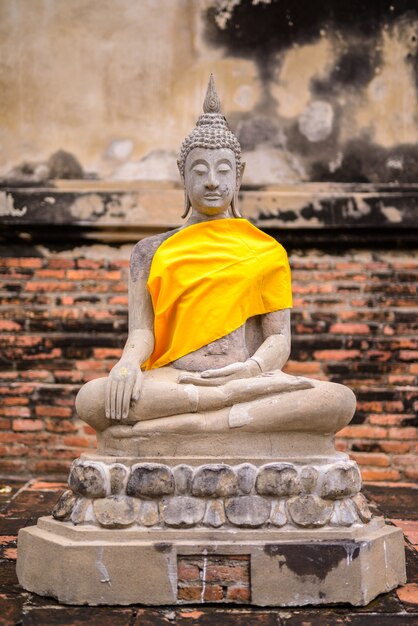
269,402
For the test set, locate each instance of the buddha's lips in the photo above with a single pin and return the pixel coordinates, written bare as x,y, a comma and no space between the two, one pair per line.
212,196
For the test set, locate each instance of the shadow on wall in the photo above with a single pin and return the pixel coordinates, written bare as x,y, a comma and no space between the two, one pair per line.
339,86
316,91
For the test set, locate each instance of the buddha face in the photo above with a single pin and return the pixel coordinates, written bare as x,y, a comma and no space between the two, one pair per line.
210,178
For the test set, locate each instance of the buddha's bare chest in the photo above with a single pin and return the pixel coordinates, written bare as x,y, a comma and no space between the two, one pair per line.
229,349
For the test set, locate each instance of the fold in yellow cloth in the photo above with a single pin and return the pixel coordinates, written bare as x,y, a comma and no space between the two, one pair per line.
208,279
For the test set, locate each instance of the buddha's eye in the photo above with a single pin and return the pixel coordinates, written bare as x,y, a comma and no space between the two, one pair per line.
224,169
200,169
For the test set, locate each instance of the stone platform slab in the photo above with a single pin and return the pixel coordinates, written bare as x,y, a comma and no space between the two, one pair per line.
89,565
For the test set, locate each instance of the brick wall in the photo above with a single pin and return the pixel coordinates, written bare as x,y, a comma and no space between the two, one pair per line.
63,321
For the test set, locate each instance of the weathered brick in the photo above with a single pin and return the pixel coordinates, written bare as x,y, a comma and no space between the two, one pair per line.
51,273
77,441
41,286
363,432
9,326
187,572
89,264
15,401
403,433
377,474
411,473
52,411
15,411
337,355
364,458
350,329
119,300
27,424
189,594
393,407
395,447
60,426
60,263
80,275
409,461
238,594
408,355
226,573
107,353
213,593
51,467
13,466
302,368
389,419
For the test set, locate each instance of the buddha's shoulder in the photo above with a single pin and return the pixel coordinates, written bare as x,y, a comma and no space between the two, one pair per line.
143,251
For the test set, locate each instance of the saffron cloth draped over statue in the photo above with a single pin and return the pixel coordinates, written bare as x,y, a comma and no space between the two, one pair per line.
208,279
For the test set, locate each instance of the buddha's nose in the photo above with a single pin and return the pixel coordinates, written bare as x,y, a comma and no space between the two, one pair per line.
212,180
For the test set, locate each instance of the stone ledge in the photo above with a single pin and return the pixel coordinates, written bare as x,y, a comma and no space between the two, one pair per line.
149,205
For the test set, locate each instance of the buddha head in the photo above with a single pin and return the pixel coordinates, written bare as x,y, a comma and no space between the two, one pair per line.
210,162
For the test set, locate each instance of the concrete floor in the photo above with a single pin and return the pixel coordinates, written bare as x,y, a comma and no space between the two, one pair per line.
22,502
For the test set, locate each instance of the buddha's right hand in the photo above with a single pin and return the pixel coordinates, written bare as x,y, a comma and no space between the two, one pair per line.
123,386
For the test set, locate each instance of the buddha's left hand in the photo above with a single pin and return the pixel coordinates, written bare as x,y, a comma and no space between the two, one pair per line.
213,378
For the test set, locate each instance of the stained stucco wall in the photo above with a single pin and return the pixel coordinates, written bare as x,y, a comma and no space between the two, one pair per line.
315,90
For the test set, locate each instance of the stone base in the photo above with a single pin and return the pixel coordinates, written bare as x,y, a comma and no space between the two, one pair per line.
90,565
116,492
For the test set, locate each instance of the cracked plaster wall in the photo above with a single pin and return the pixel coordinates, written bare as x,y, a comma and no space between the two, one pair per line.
315,93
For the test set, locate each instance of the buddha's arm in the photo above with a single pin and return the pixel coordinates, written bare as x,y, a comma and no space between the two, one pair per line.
275,349
125,379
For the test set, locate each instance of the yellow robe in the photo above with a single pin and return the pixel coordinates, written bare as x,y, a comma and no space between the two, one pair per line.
206,280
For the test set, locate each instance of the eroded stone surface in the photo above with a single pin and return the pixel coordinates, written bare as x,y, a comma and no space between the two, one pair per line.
214,514
118,475
148,513
309,479
182,511
344,513
183,475
115,511
215,480
88,480
362,508
278,516
63,508
247,511
278,479
79,513
309,511
246,475
341,481
150,480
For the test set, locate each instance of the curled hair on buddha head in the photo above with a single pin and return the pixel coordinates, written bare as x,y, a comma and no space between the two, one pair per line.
212,132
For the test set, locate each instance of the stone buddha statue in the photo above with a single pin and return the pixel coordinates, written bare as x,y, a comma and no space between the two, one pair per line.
209,320
205,447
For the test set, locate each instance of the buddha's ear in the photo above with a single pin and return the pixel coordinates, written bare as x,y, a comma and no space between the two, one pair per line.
187,205
234,202
240,174
180,170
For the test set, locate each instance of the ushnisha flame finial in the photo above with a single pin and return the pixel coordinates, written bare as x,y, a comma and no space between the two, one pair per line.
212,104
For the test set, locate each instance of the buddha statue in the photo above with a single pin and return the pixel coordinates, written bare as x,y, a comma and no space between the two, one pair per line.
205,446
209,319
